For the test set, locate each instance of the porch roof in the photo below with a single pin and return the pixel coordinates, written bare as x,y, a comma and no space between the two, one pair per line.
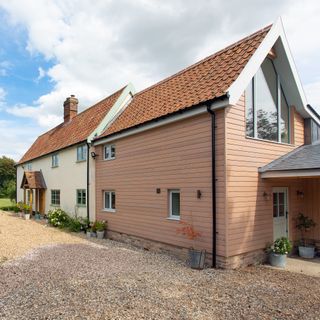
33,180
301,162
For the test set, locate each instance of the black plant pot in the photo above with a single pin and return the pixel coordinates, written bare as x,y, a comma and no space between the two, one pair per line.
197,258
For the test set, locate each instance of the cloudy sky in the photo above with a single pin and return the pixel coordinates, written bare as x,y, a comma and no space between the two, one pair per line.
53,48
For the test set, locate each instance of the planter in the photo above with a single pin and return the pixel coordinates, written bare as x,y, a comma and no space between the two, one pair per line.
278,260
93,235
27,216
100,234
21,214
88,234
306,252
37,216
197,258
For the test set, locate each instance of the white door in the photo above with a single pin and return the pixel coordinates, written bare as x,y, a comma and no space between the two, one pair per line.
280,213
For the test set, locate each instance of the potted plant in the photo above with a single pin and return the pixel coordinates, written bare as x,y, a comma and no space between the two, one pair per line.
20,206
37,215
91,231
196,257
278,252
26,209
304,224
100,228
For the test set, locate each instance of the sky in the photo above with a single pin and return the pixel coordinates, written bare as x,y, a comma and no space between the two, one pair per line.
50,49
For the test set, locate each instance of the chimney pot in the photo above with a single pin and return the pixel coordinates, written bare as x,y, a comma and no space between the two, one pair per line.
70,107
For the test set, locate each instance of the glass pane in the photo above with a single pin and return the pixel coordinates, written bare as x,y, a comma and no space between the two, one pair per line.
113,151
175,203
281,210
249,110
107,200
275,205
106,152
284,121
113,200
266,91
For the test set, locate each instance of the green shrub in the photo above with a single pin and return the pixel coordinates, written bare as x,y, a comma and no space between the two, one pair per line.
100,225
74,224
281,246
9,208
58,218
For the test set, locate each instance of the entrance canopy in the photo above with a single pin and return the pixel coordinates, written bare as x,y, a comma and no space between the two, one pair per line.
302,162
33,180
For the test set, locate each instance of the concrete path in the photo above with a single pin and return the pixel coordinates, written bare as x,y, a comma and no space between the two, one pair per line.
304,266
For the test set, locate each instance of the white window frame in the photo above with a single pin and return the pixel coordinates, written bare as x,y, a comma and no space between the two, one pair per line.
108,207
29,166
109,147
83,153
51,202
83,196
55,160
170,193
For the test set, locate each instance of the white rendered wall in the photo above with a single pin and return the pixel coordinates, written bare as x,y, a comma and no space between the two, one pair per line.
69,176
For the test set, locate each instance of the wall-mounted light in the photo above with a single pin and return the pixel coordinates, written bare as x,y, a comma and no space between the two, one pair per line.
199,194
266,195
300,194
158,190
93,155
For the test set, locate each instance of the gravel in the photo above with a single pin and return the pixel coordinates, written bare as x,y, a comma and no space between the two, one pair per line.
104,279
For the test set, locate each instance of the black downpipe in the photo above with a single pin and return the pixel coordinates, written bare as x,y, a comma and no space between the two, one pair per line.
213,187
88,183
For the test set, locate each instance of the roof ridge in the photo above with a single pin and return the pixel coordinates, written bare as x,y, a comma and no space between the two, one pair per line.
205,59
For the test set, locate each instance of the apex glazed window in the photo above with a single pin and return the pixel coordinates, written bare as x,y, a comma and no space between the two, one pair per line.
267,110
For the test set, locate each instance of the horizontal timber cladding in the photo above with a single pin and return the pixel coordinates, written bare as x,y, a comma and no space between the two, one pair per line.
174,156
249,215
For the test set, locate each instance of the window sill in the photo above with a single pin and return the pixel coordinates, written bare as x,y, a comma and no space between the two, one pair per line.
108,159
54,167
174,218
81,205
79,161
270,141
55,205
109,210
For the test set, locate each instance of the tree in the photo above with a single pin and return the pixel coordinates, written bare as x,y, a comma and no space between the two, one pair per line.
7,176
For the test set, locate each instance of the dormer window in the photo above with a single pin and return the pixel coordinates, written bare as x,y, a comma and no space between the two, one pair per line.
55,160
267,110
109,152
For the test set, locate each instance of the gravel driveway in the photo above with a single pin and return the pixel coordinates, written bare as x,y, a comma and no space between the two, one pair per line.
116,281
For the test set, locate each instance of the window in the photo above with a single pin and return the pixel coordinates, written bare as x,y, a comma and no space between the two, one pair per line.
110,200
55,160
174,204
29,166
267,110
82,153
55,197
81,197
109,151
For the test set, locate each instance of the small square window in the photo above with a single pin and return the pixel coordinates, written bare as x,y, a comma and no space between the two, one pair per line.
81,197
29,166
110,201
109,152
55,160
174,204
82,153
55,197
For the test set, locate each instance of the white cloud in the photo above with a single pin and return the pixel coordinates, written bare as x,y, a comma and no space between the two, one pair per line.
4,67
98,47
313,93
3,94
41,75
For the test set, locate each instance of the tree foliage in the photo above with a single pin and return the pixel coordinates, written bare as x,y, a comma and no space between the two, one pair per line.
7,177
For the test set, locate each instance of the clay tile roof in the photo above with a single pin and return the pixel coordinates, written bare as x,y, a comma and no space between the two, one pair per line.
33,180
75,131
208,79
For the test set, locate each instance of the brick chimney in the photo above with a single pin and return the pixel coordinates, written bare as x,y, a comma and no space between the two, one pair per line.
70,108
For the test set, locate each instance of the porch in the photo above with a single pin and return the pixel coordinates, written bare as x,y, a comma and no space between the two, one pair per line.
34,188
293,185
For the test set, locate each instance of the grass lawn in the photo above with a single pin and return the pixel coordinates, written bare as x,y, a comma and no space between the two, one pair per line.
5,203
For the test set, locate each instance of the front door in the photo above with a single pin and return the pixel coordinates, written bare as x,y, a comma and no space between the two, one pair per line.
280,213
42,201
